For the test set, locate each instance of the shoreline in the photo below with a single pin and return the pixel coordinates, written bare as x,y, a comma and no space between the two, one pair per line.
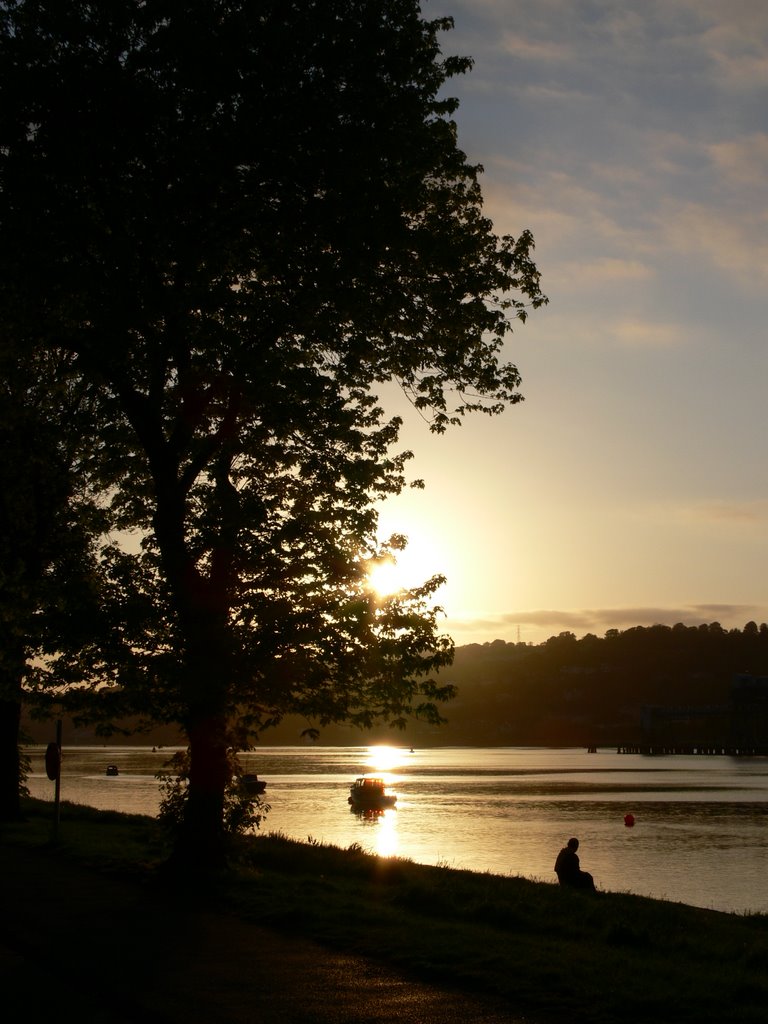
510,949
505,810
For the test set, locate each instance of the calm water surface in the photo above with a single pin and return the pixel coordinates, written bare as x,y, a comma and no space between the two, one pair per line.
700,833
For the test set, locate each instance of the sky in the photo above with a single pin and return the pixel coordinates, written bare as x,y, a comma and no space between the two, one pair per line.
630,487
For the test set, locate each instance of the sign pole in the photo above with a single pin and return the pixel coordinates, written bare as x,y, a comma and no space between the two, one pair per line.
53,770
57,790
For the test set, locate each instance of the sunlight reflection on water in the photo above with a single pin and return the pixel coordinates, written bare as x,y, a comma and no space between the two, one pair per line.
700,832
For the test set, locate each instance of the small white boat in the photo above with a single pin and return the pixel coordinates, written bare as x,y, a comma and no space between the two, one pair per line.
368,794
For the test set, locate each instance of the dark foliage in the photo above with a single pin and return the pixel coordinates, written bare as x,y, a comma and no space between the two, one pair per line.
239,219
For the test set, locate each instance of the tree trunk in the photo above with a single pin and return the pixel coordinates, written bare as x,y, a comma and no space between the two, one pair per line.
10,720
10,717
201,842
202,599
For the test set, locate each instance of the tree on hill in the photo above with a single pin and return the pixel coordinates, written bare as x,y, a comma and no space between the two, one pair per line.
241,219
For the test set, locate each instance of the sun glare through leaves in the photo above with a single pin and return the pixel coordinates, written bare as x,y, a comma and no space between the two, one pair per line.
405,569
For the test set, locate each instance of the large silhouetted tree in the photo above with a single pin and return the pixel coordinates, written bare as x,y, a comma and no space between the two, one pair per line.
241,218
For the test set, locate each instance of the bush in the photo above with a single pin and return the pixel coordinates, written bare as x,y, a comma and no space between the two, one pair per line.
243,811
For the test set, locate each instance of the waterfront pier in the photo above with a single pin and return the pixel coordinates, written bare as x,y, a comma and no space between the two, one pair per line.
707,749
736,729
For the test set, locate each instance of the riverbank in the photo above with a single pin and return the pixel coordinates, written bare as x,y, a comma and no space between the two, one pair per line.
305,932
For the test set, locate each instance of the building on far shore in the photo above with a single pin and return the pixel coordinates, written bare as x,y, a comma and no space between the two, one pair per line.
738,728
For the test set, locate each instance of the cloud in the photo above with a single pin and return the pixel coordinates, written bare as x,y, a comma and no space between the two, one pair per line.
604,229
732,236
589,332
605,144
562,209
742,161
562,95
550,621
645,334
525,48
736,45
606,269
743,512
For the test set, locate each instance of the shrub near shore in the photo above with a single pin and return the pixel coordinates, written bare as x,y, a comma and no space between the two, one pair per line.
555,954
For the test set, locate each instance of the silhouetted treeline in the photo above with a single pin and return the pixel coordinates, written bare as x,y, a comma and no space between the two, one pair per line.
592,690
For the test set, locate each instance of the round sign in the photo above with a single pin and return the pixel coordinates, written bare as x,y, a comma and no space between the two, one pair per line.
52,761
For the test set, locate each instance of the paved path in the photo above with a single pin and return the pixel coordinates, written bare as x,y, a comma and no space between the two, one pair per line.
99,950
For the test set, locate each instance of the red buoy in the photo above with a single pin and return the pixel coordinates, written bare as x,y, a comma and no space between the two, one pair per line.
629,820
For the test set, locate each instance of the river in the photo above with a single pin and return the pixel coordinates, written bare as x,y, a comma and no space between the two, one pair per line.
700,832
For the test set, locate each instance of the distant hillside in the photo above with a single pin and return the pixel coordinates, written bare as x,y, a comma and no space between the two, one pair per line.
592,691
564,692
72,735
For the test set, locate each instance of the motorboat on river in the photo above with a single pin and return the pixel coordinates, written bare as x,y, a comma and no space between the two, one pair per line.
368,794
253,784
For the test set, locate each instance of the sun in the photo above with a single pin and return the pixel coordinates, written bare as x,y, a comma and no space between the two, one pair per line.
385,579
410,567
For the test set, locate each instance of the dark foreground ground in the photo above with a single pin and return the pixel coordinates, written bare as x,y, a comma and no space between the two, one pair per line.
75,944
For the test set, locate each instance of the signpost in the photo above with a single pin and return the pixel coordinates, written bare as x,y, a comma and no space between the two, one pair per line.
53,771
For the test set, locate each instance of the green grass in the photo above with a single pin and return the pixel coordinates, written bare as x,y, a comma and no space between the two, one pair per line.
558,954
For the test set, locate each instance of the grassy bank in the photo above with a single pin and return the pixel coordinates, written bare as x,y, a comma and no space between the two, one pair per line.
555,954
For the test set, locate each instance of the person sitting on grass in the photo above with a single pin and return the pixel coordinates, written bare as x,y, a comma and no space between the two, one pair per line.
568,870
